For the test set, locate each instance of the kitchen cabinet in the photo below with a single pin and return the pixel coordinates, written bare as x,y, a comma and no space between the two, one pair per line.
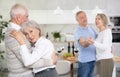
48,17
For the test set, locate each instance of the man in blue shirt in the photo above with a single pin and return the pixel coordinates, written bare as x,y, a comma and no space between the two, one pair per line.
87,52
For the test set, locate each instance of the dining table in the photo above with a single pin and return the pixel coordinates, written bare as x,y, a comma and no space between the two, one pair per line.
72,60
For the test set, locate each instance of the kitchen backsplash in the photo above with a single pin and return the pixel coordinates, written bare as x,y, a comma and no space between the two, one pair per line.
64,29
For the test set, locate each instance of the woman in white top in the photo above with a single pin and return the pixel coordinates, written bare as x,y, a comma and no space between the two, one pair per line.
42,48
103,44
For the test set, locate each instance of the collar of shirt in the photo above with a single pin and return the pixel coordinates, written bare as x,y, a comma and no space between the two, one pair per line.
80,27
37,42
13,25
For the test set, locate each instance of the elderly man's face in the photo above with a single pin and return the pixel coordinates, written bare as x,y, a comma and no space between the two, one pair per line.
25,17
20,19
82,19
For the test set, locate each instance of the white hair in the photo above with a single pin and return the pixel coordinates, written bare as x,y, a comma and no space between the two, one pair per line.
17,9
31,24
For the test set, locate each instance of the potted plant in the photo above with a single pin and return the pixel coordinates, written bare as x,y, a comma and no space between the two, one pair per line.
3,25
56,36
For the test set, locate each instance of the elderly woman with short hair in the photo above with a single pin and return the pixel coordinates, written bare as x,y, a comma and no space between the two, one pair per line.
42,48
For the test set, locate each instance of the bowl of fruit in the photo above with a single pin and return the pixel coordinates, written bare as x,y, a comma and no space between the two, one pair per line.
68,56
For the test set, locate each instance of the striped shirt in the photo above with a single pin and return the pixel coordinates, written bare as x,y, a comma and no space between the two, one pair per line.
14,61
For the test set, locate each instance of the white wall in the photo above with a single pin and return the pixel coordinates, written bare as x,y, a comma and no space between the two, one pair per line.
111,7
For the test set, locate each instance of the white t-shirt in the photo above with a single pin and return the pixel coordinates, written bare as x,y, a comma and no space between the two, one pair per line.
103,44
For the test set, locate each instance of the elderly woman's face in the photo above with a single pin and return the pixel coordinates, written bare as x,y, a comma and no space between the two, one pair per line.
32,34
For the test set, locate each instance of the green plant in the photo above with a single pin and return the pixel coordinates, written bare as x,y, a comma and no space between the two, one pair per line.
1,68
3,24
1,54
56,35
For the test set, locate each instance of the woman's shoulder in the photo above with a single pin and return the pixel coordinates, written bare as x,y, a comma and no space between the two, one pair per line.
43,41
46,40
108,30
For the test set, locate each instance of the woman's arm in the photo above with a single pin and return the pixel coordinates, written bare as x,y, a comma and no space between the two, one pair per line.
106,41
38,52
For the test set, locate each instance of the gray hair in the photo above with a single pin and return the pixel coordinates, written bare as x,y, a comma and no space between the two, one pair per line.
17,9
31,24
79,13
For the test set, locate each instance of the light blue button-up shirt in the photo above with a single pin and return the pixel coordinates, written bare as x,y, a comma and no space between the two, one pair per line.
85,54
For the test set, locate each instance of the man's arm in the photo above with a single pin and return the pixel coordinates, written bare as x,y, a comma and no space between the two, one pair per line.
80,38
13,46
83,42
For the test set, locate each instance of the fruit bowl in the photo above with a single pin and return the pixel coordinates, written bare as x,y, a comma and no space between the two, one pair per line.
65,55
69,57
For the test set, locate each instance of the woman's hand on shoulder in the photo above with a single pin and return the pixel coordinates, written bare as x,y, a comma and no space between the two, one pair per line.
18,36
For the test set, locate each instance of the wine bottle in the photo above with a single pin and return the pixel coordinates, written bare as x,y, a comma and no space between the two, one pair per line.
68,47
73,48
47,35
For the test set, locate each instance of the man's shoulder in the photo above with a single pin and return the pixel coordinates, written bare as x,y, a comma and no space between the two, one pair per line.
78,29
47,41
9,40
8,30
7,34
90,27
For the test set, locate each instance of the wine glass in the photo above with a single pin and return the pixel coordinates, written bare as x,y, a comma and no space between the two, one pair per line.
59,53
76,51
62,48
58,50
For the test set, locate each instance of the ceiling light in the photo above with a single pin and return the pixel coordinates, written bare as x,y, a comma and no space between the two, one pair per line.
76,9
97,10
58,11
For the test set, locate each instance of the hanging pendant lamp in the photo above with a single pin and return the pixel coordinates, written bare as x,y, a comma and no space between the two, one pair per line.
97,10
58,11
76,9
